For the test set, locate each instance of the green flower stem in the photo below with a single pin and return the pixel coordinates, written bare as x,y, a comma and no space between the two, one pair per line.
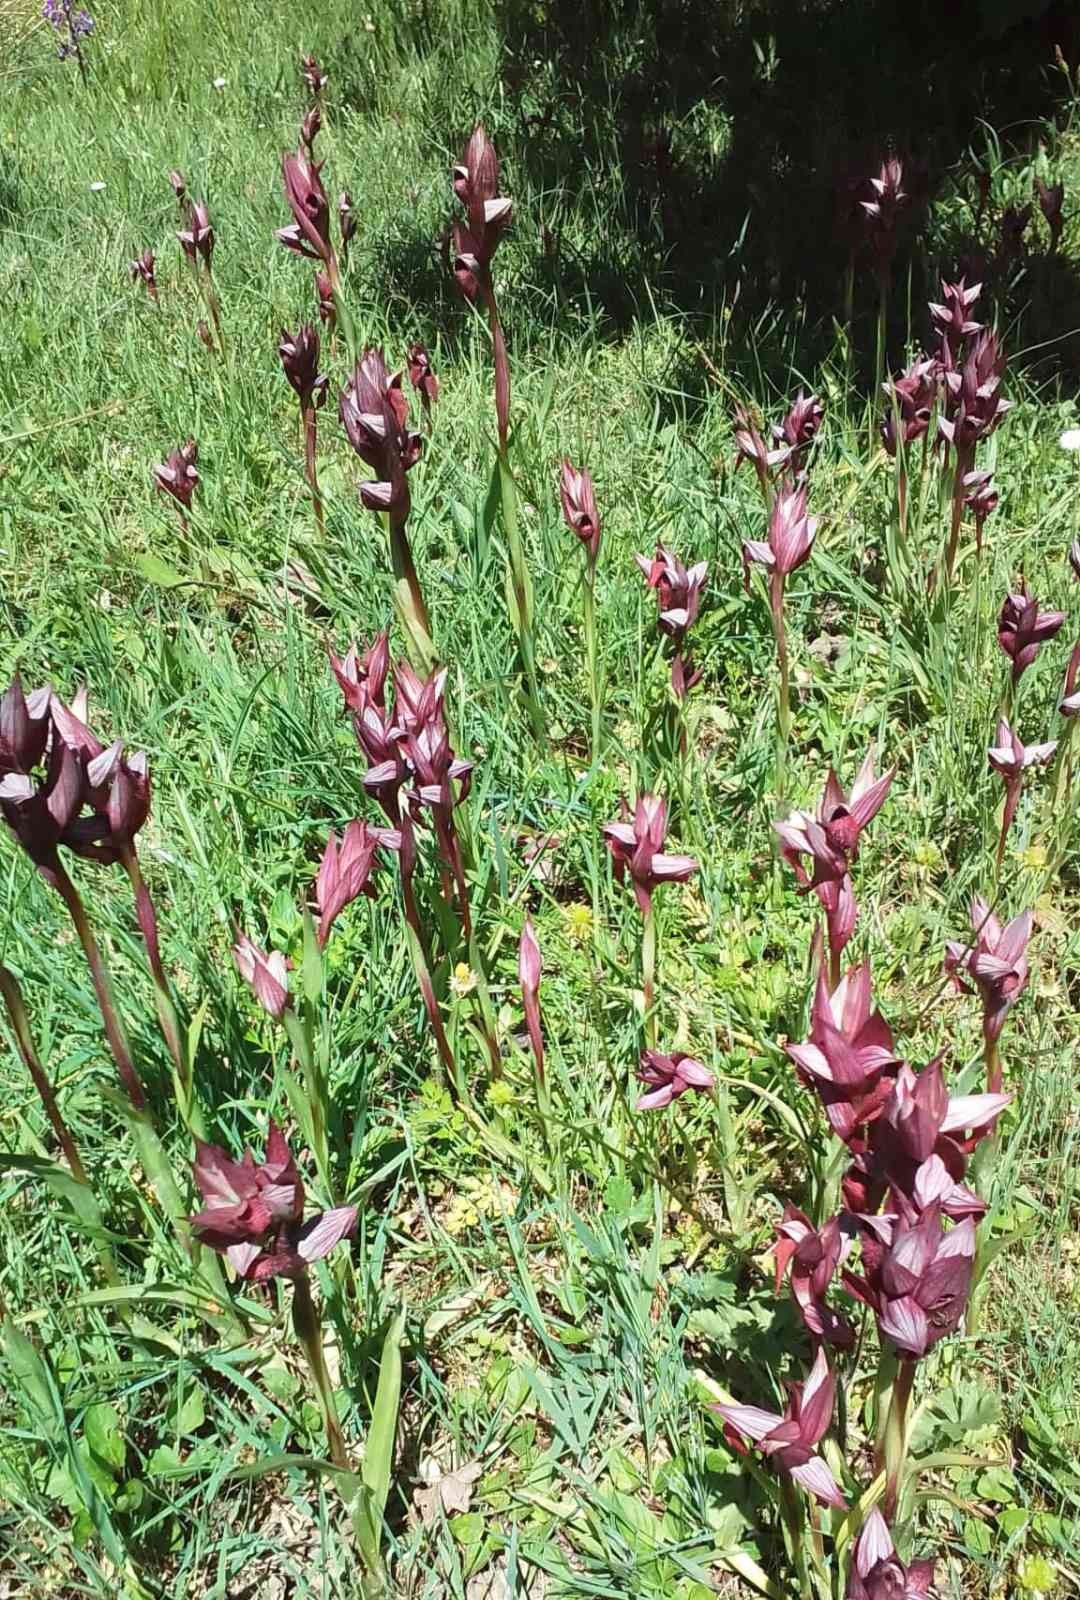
99,974
308,1329
896,1436
884,1379
422,969
590,651
520,597
776,611
965,460
307,413
316,1093
183,1080
152,1155
984,1165
792,1513
213,305
341,306
408,598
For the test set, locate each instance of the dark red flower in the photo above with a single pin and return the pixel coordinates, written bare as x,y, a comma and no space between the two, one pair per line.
421,375
849,1057
176,475
788,1441
299,354
877,1573
345,870
579,507
811,1258
1023,629
916,1276
309,232
375,416
637,848
254,1213
197,238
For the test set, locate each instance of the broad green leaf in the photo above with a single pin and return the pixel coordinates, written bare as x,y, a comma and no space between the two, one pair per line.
157,571
105,1435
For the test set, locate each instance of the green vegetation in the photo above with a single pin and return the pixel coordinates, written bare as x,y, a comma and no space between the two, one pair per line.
566,1282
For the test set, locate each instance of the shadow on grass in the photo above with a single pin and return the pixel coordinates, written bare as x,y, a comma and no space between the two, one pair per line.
705,156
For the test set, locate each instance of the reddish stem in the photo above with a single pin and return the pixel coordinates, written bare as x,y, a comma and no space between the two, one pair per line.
1012,800
423,976
964,462
307,411
20,1026
502,364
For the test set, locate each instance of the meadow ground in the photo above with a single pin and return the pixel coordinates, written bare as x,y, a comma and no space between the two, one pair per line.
573,1279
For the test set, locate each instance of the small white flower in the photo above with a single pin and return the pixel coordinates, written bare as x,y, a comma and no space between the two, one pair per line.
219,83
96,188
1070,439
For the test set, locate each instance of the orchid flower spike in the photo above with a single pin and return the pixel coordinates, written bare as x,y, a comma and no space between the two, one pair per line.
309,232
637,848
299,354
811,1258
791,537
916,1276
265,975
197,239
345,870
143,268
1023,629
254,1213
877,1573
669,1076
579,506
176,475
788,1441
421,375
996,964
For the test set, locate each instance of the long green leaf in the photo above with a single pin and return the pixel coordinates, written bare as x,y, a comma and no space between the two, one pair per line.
379,1449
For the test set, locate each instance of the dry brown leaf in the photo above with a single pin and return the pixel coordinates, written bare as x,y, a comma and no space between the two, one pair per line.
450,1491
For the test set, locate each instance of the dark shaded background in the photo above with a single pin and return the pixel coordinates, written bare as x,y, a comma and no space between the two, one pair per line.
733,135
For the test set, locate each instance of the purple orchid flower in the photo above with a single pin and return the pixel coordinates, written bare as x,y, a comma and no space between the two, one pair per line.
996,964
637,849
1023,629
579,507
811,1257
1010,758
916,1276
265,975
788,1441
345,870
678,597
669,1076
254,1213
952,317
877,1573
849,1057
